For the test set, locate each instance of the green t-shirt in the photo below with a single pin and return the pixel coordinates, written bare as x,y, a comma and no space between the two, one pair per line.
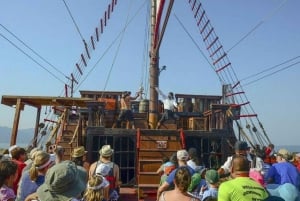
241,189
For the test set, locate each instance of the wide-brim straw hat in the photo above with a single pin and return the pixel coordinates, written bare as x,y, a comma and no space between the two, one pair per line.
63,181
78,152
106,151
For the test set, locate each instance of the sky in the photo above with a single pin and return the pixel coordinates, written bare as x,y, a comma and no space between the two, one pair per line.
119,60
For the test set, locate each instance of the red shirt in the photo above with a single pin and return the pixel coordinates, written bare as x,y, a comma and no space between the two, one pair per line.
21,166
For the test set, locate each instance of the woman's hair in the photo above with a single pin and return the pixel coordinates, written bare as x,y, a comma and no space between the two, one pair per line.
182,179
94,190
7,168
41,161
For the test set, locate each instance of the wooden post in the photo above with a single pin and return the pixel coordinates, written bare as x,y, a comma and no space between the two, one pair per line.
36,129
14,133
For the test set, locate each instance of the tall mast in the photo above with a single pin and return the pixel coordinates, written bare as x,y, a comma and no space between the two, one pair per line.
153,71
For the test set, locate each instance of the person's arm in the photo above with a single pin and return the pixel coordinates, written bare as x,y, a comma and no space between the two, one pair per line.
225,168
160,93
117,175
92,169
162,188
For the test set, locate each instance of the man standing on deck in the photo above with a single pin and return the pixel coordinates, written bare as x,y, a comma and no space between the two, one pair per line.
126,113
169,105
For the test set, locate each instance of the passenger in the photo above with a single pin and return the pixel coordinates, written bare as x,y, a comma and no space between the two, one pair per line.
59,154
126,113
169,164
79,157
104,170
212,180
19,156
182,179
241,187
169,105
106,153
241,148
33,178
182,157
194,159
95,189
269,153
197,181
283,171
63,182
8,173
297,161
30,159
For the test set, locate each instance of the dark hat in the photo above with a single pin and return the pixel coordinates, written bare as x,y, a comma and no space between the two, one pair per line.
241,146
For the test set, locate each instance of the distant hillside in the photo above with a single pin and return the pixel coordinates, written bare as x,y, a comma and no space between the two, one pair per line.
24,135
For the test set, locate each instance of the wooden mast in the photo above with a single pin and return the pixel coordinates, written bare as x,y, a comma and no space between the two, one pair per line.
153,71
157,8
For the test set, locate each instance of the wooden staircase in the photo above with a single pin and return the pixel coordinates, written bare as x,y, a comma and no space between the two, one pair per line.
152,146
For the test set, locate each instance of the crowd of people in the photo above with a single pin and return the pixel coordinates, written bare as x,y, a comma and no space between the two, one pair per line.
46,176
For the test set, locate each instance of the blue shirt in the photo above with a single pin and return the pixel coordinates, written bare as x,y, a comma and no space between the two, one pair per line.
171,176
284,172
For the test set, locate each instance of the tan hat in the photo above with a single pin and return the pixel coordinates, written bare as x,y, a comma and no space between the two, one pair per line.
182,155
106,151
78,152
283,153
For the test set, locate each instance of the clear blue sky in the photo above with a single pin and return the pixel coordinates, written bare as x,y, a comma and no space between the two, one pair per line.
47,28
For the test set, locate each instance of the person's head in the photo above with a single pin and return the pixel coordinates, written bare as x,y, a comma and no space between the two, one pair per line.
241,148
182,179
59,152
212,176
33,152
79,152
182,155
297,157
282,155
8,172
51,148
165,159
63,181
41,163
271,146
19,154
240,165
94,190
106,151
171,95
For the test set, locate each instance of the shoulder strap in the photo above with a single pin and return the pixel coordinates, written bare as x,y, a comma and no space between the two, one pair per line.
94,172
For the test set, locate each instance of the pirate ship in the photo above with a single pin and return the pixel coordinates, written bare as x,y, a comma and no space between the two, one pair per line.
209,123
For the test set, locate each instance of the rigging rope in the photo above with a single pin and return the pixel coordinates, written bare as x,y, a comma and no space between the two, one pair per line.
258,25
77,28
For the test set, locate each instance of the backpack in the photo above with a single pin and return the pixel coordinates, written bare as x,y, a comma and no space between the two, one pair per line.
110,177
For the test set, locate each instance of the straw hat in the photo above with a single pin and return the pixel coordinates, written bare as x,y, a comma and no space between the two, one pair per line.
106,151
78,152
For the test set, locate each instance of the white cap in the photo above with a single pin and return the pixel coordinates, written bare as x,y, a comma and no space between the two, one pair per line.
103,169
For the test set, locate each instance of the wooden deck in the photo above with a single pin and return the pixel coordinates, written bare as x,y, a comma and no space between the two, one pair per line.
131,194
